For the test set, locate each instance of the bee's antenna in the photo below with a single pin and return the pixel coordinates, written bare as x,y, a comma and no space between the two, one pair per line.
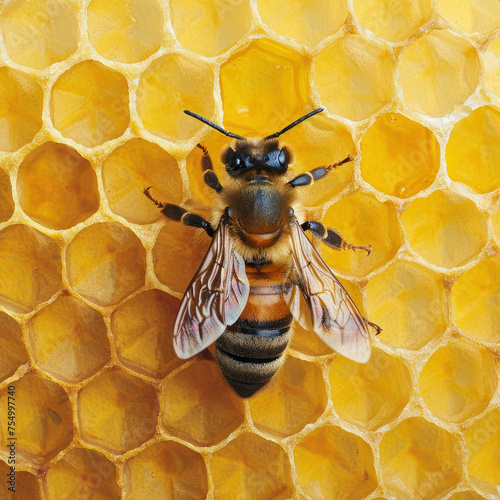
296,122
213,125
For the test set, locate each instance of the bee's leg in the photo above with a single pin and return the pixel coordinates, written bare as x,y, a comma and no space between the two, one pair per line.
331,238
317,173
177,213
209,176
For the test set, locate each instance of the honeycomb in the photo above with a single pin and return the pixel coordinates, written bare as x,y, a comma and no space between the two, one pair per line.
91,274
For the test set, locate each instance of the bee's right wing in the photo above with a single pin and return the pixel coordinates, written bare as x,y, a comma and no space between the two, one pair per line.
215,297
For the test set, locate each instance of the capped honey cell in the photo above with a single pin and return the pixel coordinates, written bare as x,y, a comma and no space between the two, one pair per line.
364,77
126,31
492,66
199,406
470,16
57,187
12,349
466,495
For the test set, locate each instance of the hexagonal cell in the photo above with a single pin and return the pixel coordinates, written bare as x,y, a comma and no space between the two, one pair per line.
171,84
82,473
394,21
371,394
364,77
438,72
251,467
473,150
199,406
6,201
306,21
57,187
38,33
413,167
491,60
333,463
474,301
466,495
136,165
308,343
483,460
166,470
46,426
21,103
445,228
68,340
458,381
30,266
471,16
175,244
143,331
117,412
249,102
302,399
12,350
409,302
89,104
126,31
363,220
26,484
420,460
106,262
210,28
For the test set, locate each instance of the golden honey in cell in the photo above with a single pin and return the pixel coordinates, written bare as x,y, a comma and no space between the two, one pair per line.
261,271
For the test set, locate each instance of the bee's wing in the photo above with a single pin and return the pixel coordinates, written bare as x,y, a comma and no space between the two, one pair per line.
214,299
331,311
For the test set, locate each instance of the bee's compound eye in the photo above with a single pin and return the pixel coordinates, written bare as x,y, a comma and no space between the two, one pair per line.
237,160
282,158
291,212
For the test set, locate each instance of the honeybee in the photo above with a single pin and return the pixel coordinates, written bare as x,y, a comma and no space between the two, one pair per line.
261,271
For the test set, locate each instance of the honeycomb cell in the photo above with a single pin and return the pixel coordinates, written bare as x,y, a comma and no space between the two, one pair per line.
46,426
82,473
68,339
57,187
473,150
466,495
372,394
420,460
251,467
474,301
143,331
117,412
106,262
394,21
199,406
89,104
171,84
6,201
174,244
126,31
364,77
363,220
26,485
210,28
438,72
492,66
21,103
12,350
166,470
306,21
333,463
408,301
30,266
38,33
139,164
250,106
471,16
302,399
444,228
413,167
458,381
483,460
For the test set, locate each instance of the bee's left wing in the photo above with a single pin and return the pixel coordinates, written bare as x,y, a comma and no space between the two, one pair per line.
332,312
215,297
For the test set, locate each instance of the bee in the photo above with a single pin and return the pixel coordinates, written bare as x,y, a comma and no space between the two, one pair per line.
261,271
